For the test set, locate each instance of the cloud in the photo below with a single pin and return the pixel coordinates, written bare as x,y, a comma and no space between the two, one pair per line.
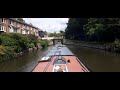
48,24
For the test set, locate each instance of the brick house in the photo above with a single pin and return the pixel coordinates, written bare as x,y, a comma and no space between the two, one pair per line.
13,25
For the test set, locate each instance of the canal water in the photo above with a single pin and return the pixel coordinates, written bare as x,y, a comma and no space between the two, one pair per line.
97,60
25,63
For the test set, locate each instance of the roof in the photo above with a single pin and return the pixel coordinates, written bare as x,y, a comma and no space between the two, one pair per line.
60,50
73,66
23,23
13,27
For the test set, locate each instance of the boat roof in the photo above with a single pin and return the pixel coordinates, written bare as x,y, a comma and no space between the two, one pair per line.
60,50
61,60
73,66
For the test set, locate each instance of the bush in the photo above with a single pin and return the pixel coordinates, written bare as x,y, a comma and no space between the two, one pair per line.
0,40
117,43
31,45
9,53
17,41
2,50
12,43
33,39
44,43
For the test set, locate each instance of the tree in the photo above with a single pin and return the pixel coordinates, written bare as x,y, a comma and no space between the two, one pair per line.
93,29
61,31
75,29
103,29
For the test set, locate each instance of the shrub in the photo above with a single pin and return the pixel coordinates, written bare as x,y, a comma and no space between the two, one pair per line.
33,39
116,43
44,43
2,50
31,45
12,43
9,53
15,40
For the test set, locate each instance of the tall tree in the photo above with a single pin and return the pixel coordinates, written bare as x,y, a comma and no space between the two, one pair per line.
103,29
93,29
74,29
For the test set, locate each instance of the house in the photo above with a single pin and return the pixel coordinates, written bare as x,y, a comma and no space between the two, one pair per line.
13,25
43,34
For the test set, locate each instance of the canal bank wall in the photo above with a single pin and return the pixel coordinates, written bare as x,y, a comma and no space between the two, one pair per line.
108,47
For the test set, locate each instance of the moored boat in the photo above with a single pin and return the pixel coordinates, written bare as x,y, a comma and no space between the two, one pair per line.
60,59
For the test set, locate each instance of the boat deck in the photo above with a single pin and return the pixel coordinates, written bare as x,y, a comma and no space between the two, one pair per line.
72,64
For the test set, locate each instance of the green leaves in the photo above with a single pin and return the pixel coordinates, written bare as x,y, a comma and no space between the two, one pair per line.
31,45
44,43
94,29
2,50
75,29
117,43
13,43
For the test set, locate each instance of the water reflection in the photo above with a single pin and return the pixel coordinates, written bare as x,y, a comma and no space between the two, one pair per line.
25,63
98,60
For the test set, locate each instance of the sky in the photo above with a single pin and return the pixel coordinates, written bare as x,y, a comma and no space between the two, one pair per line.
48,24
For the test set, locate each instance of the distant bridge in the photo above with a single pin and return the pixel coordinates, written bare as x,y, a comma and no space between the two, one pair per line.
54,39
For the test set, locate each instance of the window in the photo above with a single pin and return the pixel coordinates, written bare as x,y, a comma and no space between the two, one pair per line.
34,29
11,22
26,32
2,28
16,24
27,27
3,20
15,30
23,26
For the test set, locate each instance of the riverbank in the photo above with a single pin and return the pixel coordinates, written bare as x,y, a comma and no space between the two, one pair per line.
97,45
24,63
13,45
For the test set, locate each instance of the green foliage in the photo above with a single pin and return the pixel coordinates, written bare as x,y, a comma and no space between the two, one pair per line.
117,43
8,54
75,29
31,45
2,50
93,29
62,32
44,43
33,39
17,41
14,43
56,34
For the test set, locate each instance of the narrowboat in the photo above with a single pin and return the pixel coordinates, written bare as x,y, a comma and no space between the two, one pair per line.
60,59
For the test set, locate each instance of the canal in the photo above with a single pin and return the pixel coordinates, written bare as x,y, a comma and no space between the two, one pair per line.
98,60
25,63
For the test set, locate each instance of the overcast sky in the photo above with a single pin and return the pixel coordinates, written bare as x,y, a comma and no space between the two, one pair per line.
48,24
